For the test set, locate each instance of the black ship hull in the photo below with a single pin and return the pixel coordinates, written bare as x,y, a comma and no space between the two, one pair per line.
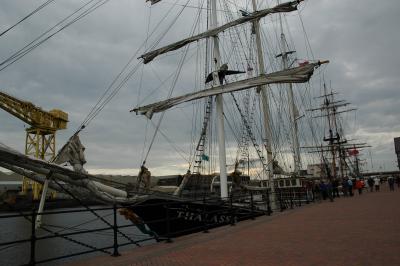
172,218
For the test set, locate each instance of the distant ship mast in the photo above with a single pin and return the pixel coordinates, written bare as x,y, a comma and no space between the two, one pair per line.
292,108
265,103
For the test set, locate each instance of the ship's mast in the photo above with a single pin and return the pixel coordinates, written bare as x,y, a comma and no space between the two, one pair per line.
219,106
292,107
265,103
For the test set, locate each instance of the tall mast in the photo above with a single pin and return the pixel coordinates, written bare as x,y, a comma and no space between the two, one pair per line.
219,106
265,104
292,107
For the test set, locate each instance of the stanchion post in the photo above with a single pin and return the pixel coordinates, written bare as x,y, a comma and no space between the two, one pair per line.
252,205
291,197
298,197
269,209
168,224
280,200
231,209
115,229
205,230
32,260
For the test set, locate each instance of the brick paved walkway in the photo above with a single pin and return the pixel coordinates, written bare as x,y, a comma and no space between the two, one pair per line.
363,230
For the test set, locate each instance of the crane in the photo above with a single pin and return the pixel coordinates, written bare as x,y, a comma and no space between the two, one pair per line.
40,141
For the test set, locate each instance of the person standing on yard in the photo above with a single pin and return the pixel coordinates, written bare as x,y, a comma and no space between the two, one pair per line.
377,183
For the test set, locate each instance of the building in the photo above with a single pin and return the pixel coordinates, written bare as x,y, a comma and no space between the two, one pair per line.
319,170
397,150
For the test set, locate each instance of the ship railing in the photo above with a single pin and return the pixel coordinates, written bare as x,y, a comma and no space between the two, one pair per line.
252,203
34,239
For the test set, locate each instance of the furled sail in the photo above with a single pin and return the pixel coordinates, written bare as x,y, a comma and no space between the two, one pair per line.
153,1
294,75
77,182
73,152
285,7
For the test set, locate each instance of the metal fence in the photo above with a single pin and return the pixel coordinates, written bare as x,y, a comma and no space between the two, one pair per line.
257,203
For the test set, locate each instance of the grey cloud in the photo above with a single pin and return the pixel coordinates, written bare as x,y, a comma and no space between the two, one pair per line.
72,70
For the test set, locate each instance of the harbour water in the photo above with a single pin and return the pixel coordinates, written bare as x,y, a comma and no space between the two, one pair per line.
20,228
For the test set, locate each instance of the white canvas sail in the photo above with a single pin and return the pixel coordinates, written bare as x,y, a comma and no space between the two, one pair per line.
285,7
294,75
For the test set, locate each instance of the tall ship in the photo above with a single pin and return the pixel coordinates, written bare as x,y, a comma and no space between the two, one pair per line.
238,90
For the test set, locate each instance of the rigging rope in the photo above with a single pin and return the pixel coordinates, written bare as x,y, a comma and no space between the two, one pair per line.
38,41
175,80
107,96
27,16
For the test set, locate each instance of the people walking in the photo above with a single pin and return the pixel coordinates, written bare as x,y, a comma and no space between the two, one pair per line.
350,187
317,191
359,186
335,188
391,183
323,189
377,183
345,187
329,190
370,182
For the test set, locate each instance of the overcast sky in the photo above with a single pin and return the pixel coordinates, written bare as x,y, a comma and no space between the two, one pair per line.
71,71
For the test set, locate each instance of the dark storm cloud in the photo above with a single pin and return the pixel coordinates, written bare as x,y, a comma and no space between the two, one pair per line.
72,70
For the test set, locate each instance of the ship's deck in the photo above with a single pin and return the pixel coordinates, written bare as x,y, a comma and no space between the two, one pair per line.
362,230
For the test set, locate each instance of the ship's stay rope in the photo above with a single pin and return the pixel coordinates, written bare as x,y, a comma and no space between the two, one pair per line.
123,76
27,16
175,80
81,12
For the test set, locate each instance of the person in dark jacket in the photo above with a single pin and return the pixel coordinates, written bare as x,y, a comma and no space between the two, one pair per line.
359,186
329,190
370,182
323,189
350,186
317,192
345,187
335,188
391,183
